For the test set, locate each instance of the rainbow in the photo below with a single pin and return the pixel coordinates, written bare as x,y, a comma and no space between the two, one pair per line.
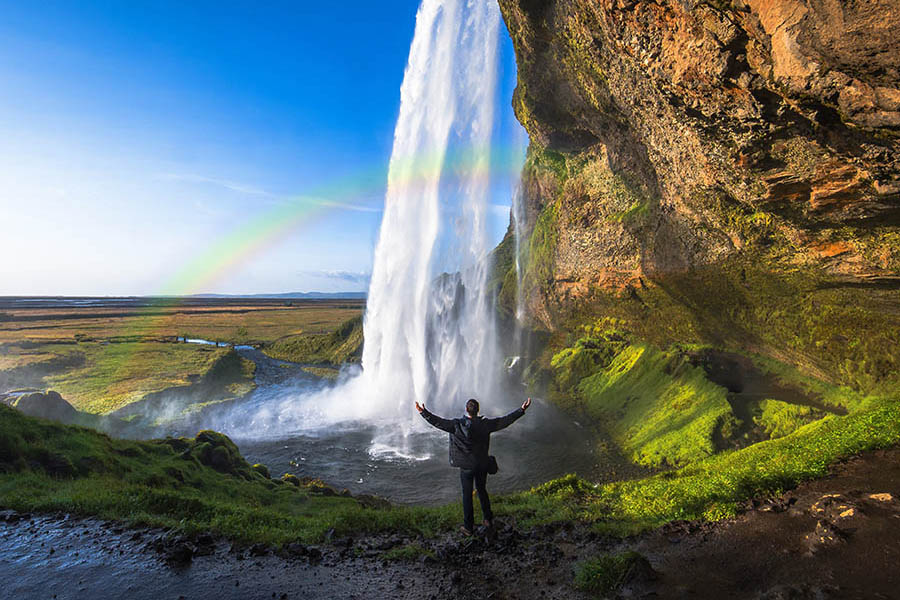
224,255
228,252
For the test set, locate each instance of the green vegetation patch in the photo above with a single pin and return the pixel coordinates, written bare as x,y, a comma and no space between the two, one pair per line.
344,344
114,375
655,405
660,409
189,485
779,419
711,488
605,574
407,552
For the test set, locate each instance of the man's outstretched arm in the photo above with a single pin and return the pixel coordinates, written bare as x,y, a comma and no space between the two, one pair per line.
441,423
507,420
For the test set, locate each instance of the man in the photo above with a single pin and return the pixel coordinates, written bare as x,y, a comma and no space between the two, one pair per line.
470,441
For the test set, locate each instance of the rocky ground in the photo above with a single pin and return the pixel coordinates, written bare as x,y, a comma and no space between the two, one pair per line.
838,537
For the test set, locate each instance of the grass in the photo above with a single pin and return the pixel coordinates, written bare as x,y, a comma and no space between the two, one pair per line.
248,323
189,485
343,344
710,488
407,552
201,484
101,359
659,409
115,375
779,419
606,573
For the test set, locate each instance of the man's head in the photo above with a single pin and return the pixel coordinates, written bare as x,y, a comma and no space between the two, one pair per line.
472,407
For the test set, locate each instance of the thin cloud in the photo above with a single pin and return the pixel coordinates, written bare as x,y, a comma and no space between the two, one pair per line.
346,276
225,183
346,206
255,191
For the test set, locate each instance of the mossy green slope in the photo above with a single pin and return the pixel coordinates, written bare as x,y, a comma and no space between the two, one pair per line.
712,488
342,345
199,484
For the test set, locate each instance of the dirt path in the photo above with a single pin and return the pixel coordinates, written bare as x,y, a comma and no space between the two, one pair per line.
838,537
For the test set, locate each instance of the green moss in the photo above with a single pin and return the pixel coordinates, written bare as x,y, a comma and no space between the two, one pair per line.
658,408
605,574
188,485
542,249
323,372
779,419
750,225
711,487
838,332
407,552
262,470
111,376
598,345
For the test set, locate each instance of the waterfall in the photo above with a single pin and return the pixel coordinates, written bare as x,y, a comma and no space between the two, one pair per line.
428,328
518,218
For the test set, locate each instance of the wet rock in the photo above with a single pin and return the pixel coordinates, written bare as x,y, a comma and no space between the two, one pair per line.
314,554
204,545
799,592
825,535
259,550
834,507
295,549
179,554
10,516
777,505
48,405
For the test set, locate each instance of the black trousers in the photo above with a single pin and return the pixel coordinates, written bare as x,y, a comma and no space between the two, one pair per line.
479,478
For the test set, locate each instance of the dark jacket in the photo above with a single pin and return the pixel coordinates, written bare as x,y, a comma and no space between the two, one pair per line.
470,438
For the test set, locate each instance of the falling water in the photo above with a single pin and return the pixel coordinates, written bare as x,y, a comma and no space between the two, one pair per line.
429,331
429,336
518,218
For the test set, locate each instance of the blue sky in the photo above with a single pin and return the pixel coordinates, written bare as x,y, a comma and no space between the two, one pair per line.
137,135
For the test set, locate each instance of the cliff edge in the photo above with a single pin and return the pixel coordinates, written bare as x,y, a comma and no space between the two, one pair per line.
722,173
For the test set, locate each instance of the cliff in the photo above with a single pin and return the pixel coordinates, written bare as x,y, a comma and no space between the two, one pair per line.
719,173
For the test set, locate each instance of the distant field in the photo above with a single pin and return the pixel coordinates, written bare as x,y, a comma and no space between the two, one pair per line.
103,357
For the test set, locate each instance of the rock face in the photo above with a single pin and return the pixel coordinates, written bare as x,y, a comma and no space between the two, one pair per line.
708,161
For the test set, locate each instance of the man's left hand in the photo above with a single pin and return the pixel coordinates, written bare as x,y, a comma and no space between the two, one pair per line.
419,407
526,404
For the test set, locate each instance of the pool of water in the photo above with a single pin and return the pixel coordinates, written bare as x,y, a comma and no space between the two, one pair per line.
409,469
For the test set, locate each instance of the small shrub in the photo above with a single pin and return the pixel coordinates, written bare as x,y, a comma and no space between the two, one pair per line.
606,573
409,552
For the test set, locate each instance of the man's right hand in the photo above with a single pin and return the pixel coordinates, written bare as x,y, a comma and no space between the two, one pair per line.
419,407
526,404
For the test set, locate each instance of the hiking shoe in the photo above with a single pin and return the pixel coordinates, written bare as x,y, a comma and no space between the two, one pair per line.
465,530
489,524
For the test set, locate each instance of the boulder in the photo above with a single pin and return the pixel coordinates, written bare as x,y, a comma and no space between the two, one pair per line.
49,405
